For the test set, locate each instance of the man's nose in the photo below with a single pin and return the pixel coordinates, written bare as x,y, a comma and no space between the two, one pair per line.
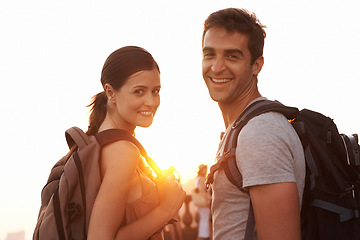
218,65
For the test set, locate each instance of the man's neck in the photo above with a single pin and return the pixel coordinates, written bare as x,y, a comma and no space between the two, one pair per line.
230,112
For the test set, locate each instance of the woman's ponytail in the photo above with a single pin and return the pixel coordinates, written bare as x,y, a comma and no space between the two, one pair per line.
98,112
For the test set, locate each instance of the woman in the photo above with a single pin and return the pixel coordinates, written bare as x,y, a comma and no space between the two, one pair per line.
129,205
204,212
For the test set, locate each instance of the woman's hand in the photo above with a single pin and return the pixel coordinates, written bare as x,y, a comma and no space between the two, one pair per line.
171,195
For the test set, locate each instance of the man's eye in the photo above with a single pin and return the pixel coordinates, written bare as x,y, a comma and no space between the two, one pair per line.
208,54
139,91
156,91
232,56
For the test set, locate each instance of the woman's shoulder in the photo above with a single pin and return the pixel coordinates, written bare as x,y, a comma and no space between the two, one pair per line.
121,152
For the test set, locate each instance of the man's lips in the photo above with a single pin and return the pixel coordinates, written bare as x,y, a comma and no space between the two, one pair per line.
221,80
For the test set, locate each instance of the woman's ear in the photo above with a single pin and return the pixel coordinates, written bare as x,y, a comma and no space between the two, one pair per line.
110,92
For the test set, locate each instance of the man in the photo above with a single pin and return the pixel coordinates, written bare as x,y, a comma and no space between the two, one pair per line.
269,154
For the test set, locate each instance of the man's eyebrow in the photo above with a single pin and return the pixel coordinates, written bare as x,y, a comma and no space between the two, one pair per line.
207,49
227,51
234,51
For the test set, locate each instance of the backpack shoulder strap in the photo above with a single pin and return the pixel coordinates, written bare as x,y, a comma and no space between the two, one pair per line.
228,161
255,109
113,135
261,107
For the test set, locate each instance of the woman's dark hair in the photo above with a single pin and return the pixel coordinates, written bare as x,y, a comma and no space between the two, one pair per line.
242,21
118,67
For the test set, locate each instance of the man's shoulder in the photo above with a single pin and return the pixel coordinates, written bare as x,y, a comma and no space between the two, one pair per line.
268,128
269,121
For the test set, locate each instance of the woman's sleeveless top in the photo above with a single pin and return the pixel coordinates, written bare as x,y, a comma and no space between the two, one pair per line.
142,206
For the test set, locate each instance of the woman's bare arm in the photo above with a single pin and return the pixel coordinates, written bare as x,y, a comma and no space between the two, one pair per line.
119,162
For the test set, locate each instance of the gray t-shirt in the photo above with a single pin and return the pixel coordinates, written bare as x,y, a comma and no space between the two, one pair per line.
268,151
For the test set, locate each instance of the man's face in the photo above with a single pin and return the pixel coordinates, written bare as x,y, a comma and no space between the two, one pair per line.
226,66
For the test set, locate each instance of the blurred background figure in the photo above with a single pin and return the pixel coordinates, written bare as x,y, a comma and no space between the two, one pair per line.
204,229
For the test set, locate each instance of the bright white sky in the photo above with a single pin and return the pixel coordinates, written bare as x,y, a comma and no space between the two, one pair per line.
52,53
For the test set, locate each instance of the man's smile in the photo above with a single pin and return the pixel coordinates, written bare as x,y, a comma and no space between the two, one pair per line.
221,80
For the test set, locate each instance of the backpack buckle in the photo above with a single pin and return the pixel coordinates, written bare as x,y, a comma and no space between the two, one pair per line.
73,209
220,160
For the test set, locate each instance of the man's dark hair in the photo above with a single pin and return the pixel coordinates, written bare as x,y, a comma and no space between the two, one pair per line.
242,21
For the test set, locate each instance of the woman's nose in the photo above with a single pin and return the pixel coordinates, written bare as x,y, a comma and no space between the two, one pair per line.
151,100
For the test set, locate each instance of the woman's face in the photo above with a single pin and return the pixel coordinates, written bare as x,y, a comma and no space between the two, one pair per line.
138,99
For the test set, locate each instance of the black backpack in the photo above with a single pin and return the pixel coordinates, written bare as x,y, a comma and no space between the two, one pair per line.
73,183
331,200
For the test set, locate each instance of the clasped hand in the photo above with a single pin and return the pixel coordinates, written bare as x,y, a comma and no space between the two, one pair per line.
171,194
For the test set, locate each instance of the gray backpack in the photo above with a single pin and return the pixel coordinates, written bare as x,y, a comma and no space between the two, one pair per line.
68,196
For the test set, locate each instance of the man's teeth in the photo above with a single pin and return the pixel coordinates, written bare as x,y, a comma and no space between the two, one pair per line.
221,80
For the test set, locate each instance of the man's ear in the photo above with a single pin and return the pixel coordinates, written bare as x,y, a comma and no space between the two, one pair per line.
110,92
257,66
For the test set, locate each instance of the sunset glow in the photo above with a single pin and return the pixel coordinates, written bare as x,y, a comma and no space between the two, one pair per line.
52,53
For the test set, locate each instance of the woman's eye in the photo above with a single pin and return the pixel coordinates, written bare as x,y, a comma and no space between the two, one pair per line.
139,91
156,91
